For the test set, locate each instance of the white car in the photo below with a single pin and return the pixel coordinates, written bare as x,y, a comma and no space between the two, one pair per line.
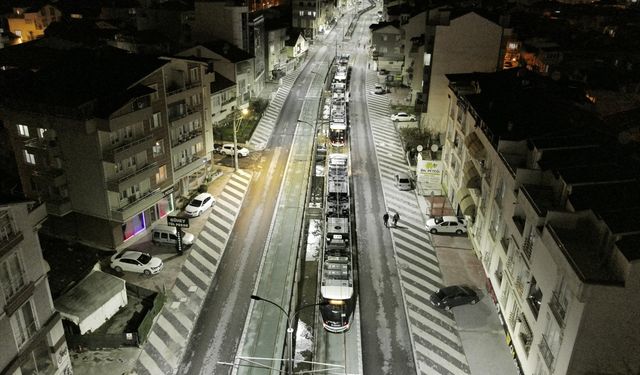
447,224
199,204
379,89
227,149
402,116
136,261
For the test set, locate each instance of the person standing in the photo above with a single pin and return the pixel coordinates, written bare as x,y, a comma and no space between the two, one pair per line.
396,217
385,218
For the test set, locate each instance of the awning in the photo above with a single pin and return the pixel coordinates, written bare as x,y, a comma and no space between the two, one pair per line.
474,146
471,178
467,206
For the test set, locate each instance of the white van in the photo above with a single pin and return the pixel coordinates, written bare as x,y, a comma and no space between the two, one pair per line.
166,235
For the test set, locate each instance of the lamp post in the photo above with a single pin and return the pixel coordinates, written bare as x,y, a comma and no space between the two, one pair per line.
237,120
290,320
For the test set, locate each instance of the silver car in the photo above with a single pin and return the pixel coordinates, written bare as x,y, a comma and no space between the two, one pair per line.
447,224
402,117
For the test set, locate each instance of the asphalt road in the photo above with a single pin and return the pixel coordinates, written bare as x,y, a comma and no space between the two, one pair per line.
219,327
386,347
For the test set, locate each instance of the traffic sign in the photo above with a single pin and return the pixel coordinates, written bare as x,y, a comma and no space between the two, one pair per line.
180,222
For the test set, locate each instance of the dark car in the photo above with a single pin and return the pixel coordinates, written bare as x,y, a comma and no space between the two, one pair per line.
453,296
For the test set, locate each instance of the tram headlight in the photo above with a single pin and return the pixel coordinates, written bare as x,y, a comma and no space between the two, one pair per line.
336,302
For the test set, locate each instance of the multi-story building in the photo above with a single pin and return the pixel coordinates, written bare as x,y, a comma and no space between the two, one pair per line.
387,46
313,16
456,41
109,140
239,23
551,198
29,23
33,339
231,62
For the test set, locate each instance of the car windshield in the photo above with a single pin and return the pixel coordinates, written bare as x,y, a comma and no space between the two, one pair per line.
144,258
196,203
404,180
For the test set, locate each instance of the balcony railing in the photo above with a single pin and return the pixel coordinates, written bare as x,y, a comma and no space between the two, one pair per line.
188,111
117,180
111,154
174,89
135,205
546,353
558,309
527,248
187,137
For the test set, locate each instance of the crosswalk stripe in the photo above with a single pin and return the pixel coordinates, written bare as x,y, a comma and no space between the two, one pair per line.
170,329
149,364
436,357
161,347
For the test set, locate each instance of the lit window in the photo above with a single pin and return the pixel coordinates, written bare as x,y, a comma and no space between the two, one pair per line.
161,176
301,13
158,148
29,158
308,13
23,130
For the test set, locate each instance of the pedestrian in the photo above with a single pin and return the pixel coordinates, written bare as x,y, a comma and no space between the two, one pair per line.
386,219
396,217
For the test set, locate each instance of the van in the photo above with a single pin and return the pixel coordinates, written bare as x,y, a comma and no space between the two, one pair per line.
166,235
403,181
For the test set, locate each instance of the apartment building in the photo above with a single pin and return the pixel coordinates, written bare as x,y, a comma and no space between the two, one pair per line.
313,16
109,140
29,23
231,62
240,24
551,198
33,339
387,46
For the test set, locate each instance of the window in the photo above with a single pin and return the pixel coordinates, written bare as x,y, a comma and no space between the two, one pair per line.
384,37
309,13
23,130
158,148
12,275
24,323
195,100
194,75
41,132
301,13
157,120
29,158
161,176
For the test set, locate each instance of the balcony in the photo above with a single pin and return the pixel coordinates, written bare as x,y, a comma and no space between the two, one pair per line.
187,139
59,207
137,111
194,162
558,309
128,149
527,248
41,146
546,353
519,221
135,205
176,91
183,117
50,177
119,182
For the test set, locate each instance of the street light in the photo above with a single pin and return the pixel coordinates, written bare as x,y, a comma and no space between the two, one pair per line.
237,120
290,319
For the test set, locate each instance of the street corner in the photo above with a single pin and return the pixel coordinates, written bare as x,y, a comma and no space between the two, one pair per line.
105,362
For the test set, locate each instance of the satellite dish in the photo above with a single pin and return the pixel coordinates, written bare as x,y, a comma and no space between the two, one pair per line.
419,148
434,148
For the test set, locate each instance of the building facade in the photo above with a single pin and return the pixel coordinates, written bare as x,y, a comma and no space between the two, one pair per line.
548,220
111,161
32,334
29,23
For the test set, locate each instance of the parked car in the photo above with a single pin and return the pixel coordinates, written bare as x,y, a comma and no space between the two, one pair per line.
447,224
163,234
453,296
379,89
402,116
199,204
227,149
136,261
403,181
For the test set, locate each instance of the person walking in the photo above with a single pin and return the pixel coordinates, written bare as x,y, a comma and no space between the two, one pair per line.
385,218
396,217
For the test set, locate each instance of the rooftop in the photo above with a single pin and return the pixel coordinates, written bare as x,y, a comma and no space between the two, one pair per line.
227,50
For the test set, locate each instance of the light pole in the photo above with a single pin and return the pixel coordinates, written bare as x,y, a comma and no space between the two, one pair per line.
290,320
237,120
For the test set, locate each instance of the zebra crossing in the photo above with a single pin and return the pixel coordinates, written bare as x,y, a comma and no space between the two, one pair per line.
436,343
267,122
165,346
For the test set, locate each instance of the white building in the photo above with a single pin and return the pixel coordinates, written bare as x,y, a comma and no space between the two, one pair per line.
552,204
32,335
